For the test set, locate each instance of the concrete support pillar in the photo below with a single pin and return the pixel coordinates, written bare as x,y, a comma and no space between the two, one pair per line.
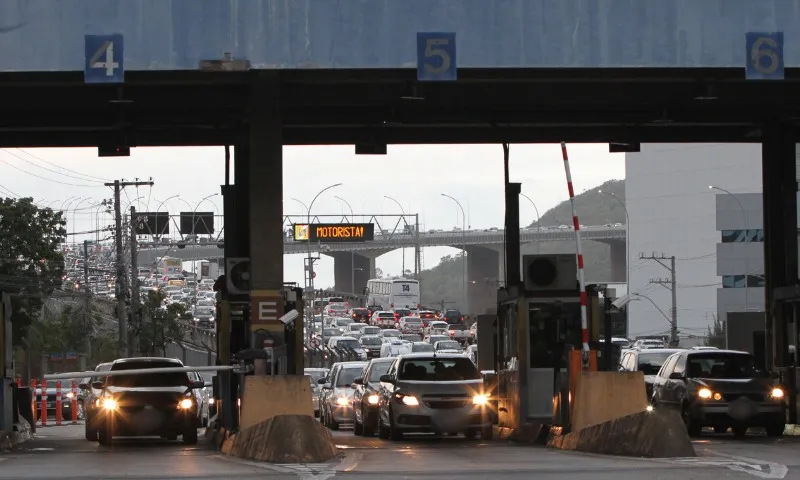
265,185
780,237
351,271
618,262
483,266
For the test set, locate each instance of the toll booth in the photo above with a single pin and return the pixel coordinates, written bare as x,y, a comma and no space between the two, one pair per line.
538,325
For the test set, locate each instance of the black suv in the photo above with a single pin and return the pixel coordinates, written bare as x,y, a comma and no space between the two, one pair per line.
142,404
453,316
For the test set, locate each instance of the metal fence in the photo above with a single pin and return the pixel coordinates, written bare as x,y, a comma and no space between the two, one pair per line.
324,357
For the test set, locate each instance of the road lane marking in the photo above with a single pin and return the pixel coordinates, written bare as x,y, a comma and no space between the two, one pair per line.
751,466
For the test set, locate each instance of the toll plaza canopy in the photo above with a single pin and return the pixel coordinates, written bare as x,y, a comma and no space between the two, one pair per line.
345,72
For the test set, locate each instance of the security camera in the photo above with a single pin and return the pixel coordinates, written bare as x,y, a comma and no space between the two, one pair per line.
289,316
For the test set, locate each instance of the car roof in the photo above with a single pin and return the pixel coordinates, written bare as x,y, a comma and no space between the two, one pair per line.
712,352
428,355
382,360
659,350
147,360
349,364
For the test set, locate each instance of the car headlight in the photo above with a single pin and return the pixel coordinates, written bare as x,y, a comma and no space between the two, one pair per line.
186,404
211,400
373,399
776,393
109,404
70,395
342,401
408,400
480,399
704,393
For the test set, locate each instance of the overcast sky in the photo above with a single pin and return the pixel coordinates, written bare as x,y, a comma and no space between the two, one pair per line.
415,175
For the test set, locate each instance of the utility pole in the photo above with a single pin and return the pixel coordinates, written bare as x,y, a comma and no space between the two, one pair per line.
121,284
86,292
136,308
670,284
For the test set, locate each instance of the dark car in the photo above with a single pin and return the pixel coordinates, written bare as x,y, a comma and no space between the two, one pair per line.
157,404
372,344
648,362
365,397
90,403
358,314
720,389
452,317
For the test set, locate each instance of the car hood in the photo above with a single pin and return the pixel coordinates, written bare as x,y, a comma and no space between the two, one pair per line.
650,378
735,385
343,392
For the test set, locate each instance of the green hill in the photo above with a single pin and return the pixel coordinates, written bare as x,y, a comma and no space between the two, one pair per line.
443,282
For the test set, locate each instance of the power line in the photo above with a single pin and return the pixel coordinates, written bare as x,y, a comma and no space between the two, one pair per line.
63,168
45,178
45,168
672,286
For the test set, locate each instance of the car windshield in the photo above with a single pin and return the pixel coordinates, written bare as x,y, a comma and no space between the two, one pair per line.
411,337
421,347
359,311
348,375
371,341
650,363
386,315
343,322
412,320
331,332
391,333
448,345
350,343
401,312
438,370
205,303
457,326
372,330
315,376
721,366
378,369
355,327
155,380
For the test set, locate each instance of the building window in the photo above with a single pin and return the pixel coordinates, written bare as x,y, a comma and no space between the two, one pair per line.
739,281
752,235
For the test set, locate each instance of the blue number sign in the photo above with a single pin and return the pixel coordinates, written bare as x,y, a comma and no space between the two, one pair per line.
436,57
104,59
764,56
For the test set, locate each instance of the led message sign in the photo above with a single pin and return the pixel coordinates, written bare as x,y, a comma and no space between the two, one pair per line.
334,232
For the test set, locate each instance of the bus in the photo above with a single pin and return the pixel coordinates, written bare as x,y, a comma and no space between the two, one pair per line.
391,293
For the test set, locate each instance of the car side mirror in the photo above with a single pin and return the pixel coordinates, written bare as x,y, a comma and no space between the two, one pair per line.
387,378
676,376
83,386
198,384
358,381
97,384
208,384
321,381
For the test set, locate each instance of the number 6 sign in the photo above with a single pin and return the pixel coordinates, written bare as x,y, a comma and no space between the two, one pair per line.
436,57
764,56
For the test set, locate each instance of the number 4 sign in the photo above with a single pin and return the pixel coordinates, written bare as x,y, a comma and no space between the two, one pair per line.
104,59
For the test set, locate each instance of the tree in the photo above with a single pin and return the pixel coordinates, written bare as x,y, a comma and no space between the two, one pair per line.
32,265
378,273
159,323
716,334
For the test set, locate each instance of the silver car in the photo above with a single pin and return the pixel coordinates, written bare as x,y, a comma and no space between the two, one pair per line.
315,374
439,393
337,397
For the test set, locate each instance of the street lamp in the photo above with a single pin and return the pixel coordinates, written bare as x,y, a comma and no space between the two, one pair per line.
627,240
746,239
74,221
352,250
311,260
538,219
464,245
158,209
198,206
404,221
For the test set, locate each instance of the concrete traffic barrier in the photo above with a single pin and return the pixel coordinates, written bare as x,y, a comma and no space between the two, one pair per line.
603,396
270,395
655,434
283,439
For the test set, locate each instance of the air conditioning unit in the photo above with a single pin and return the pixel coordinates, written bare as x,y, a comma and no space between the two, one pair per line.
550,272
237,276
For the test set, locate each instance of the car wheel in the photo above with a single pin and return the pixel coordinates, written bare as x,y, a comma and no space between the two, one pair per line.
470,434
333,425
171,438
776,428
383,430
394,433
740,430
89,432
367,425
487,433
692,428
105,435
190,436
358,428
720,429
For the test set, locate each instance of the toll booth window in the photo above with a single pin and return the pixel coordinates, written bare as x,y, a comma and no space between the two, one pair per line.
551,328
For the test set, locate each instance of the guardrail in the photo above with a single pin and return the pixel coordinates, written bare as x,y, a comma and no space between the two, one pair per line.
324,357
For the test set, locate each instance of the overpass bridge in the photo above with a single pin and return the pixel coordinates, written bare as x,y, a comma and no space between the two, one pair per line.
354,263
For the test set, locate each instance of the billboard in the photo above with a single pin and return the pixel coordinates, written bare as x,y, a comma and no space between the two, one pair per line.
197,223
334,232
152,223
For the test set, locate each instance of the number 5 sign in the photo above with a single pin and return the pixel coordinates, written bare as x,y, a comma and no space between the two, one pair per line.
764,56
436,57
104,59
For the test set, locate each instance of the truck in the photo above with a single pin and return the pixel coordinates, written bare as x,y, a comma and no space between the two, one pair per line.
209,270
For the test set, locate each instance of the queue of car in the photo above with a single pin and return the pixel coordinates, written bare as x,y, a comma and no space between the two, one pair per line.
710,387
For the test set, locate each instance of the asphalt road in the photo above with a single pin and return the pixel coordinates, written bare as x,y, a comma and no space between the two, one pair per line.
62,453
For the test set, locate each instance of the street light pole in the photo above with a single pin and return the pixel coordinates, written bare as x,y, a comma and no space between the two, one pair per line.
311,260
538,219
746,240
352,250
464,247
158,234
403,249
627,240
